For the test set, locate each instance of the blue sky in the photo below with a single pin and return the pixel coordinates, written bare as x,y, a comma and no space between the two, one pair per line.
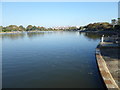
50,14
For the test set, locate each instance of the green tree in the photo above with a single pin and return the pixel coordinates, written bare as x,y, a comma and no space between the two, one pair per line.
29,28
11,28
21,28
1,27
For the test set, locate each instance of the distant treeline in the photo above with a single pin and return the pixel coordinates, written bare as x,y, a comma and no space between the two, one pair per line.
101,27
90,27
32,28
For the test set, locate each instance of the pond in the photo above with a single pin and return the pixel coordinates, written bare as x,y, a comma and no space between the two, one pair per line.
50,59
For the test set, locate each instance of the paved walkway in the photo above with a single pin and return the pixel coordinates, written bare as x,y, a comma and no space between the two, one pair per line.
105,73
110,55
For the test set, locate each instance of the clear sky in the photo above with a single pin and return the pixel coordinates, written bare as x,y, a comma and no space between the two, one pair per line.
50,14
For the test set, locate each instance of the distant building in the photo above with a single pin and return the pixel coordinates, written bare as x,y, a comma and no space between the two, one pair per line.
114,22
60,27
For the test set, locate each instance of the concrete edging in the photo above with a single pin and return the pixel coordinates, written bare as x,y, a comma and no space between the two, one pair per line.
104,71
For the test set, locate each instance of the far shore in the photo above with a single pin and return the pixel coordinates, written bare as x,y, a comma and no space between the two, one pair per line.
82,31
31,31
9,32
20,31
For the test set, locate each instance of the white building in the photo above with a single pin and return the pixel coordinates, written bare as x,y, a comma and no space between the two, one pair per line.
114,22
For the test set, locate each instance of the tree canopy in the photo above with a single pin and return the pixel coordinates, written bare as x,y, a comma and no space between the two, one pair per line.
99,26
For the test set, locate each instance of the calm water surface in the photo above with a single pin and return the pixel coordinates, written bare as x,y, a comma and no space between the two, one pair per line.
50,60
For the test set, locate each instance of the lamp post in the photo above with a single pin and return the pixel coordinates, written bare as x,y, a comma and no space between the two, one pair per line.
102,39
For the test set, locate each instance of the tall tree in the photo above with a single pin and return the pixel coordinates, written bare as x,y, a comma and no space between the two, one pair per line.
29,27
21,28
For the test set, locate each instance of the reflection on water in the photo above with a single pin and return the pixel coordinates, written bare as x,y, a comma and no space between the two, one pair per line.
13,35
92,36
50,60
35,34
21,35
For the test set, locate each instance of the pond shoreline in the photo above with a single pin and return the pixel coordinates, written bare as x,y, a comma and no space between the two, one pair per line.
34,31
86,31
101,32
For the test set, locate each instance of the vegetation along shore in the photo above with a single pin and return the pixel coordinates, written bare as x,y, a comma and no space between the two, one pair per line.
100,27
